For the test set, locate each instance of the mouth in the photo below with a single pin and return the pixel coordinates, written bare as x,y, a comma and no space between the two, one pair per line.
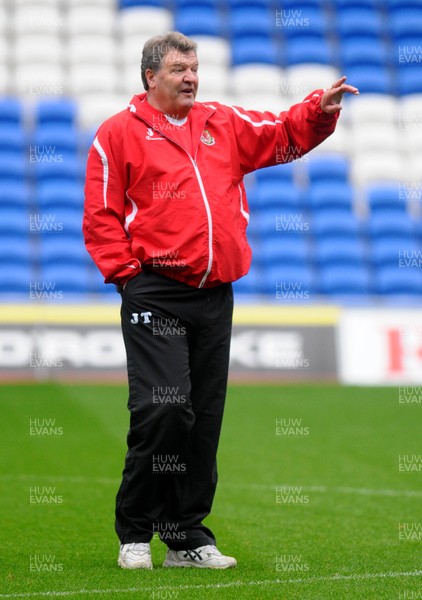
187,92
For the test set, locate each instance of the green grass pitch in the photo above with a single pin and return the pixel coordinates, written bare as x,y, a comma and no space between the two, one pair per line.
345,523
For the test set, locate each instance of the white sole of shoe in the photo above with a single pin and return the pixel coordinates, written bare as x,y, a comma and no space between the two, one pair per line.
124,566
194,566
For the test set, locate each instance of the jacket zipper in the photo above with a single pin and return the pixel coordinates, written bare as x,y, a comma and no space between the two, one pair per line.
206,204
209,216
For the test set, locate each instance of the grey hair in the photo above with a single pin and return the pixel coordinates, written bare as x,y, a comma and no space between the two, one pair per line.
156,48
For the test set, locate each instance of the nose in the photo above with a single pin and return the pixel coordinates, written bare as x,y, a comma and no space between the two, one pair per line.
190,76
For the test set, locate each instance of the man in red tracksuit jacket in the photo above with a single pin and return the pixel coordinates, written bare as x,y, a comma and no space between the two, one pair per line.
165,220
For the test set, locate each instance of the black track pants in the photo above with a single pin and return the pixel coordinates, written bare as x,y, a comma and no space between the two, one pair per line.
177,342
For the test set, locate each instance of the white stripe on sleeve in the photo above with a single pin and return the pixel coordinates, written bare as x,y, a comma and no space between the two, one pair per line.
254,123
104,160
132,215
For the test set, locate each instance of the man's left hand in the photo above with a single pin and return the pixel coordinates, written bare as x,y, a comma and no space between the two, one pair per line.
331,98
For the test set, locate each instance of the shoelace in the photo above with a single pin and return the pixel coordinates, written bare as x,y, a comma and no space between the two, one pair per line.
193,554
196,554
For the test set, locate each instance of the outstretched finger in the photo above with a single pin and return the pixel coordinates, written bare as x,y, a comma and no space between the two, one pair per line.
339,82
350,89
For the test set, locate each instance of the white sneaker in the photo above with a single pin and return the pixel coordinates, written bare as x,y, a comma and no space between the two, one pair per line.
135,556
204,557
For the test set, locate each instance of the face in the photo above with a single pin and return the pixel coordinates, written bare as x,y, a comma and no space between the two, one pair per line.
173,88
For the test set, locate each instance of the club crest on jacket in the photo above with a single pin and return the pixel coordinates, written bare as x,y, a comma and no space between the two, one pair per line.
206,138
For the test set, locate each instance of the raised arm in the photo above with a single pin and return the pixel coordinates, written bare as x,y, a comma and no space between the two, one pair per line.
265,139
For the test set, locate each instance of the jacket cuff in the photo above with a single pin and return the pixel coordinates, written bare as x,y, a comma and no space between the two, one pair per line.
318,110
126,272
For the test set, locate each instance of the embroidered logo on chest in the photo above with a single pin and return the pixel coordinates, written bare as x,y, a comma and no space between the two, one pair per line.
207,139
153,135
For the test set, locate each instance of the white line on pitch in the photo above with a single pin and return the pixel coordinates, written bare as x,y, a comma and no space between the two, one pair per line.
322,489
231,584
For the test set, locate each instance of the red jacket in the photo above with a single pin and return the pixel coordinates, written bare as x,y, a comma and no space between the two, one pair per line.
150,203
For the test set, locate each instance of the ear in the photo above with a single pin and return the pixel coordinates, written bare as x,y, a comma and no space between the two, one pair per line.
150,77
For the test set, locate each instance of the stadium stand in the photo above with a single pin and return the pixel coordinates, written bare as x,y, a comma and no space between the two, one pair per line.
289,251
335,221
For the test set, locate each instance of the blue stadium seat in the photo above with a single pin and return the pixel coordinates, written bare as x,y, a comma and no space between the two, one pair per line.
15,249
393,280
389,250
313,50
215,4
12,138
371,79
199,21
409,43
359,22
281,195
97,285
71,280
53,194
328,168
406,53
399,5
69,169
363,51
344,280
86,139
278,223
409,80
246,21
340,251
107,291
335,221
252,3
62,250
303,22
14,193
265,222
249,284
330,194
10,111
56,139
284,251
14,220
253,226
286,283
385,196
388,223
303,4
15,279
48,161
63,221
367,4
56,112
406,23
252,194
276,173
254,49
12,167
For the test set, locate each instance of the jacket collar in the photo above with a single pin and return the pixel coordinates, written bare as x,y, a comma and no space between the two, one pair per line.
155,119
